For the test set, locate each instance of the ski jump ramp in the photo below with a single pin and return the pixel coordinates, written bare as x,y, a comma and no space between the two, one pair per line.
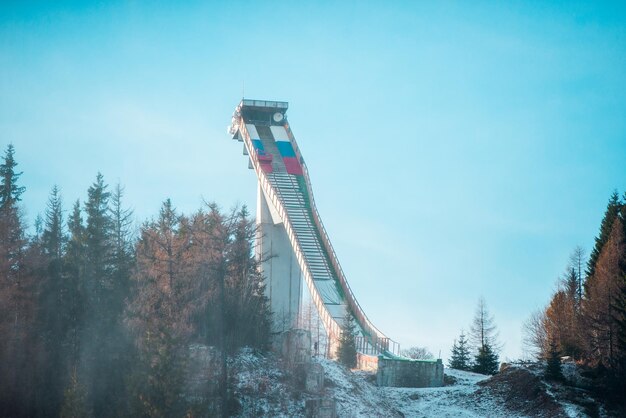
292,242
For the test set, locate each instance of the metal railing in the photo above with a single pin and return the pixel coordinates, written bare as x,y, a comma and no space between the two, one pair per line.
332,327
355,306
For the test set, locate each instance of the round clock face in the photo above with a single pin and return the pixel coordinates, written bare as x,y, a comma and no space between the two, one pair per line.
278,117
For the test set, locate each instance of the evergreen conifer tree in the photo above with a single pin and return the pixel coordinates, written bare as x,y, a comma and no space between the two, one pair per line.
602,293
54,308
613,208
248,306
10,191
483,335
486,360
53,237
98,250
454,353
99,320
105,343
12,237
74,262
576,261
122,248
570,282
553,367
347,343
17,297
460,358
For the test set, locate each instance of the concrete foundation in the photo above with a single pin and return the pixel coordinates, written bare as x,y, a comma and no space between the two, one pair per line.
314,379
307,375
409,373
296,347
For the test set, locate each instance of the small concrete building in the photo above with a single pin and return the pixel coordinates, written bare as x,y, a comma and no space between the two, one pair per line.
403,372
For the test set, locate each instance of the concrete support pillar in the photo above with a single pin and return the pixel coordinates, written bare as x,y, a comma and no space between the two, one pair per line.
279,266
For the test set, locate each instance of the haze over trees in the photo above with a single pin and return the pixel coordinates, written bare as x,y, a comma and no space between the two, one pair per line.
97,320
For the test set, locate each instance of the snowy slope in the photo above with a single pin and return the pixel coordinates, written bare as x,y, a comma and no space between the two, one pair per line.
458,400
358,397
263,389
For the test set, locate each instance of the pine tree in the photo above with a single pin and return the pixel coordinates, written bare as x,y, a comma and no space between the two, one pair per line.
74,262
105,341
553,366
613,208
347,343
12,239
120,342
576,262
460,358
10,192
570,283
99,320
248,310
122,247
53,237
603,288
54,307
98,249
452,363
17,300
483,335
486,360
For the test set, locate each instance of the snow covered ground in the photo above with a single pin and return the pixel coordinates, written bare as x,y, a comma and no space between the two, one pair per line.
265,390
357,396
458,400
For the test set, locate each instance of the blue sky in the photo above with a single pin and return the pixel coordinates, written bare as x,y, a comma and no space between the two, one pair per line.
455,150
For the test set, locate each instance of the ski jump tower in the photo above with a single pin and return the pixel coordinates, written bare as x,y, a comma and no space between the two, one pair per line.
292,241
